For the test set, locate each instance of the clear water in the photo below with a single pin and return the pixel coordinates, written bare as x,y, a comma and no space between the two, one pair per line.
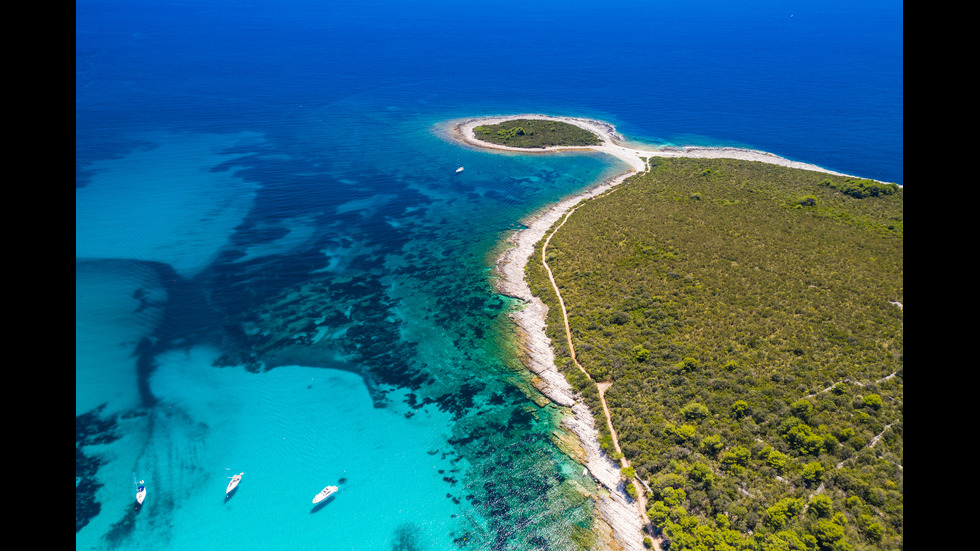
278,270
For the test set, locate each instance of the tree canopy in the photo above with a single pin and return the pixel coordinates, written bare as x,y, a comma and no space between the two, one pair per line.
536,133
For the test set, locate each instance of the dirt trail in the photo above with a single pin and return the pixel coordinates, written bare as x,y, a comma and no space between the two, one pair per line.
641,500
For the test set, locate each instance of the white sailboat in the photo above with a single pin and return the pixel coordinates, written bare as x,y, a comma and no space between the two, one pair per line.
233,483
325,493
140,493
458,170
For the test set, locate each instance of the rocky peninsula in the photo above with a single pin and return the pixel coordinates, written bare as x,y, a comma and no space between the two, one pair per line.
624,517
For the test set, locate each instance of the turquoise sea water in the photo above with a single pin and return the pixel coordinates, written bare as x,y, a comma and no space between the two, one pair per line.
278,270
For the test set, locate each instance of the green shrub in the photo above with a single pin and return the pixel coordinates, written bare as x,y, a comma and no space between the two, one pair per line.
694,411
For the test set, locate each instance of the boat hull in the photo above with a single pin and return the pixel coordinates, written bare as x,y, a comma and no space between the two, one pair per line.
325,493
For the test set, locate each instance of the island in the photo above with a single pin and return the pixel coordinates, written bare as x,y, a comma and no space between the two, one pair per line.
536,133
726,329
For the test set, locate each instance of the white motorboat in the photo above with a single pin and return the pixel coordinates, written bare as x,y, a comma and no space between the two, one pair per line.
140,493
234,483
325,493
458,170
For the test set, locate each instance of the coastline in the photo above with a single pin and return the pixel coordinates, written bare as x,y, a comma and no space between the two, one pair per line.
624,523
461,130
625,526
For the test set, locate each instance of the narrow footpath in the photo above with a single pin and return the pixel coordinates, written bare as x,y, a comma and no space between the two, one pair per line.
641,500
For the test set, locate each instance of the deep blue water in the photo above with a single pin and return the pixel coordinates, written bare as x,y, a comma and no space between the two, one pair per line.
279,272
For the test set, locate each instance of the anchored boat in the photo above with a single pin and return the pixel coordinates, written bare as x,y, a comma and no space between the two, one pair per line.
234,483
140,494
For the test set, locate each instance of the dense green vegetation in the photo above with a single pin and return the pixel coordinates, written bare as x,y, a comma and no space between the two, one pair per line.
535,133
749,317
861,188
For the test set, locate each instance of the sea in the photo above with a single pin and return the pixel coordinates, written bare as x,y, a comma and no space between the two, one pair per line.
279,271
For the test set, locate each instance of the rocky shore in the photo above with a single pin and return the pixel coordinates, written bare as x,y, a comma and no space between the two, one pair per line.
613,507
623,524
